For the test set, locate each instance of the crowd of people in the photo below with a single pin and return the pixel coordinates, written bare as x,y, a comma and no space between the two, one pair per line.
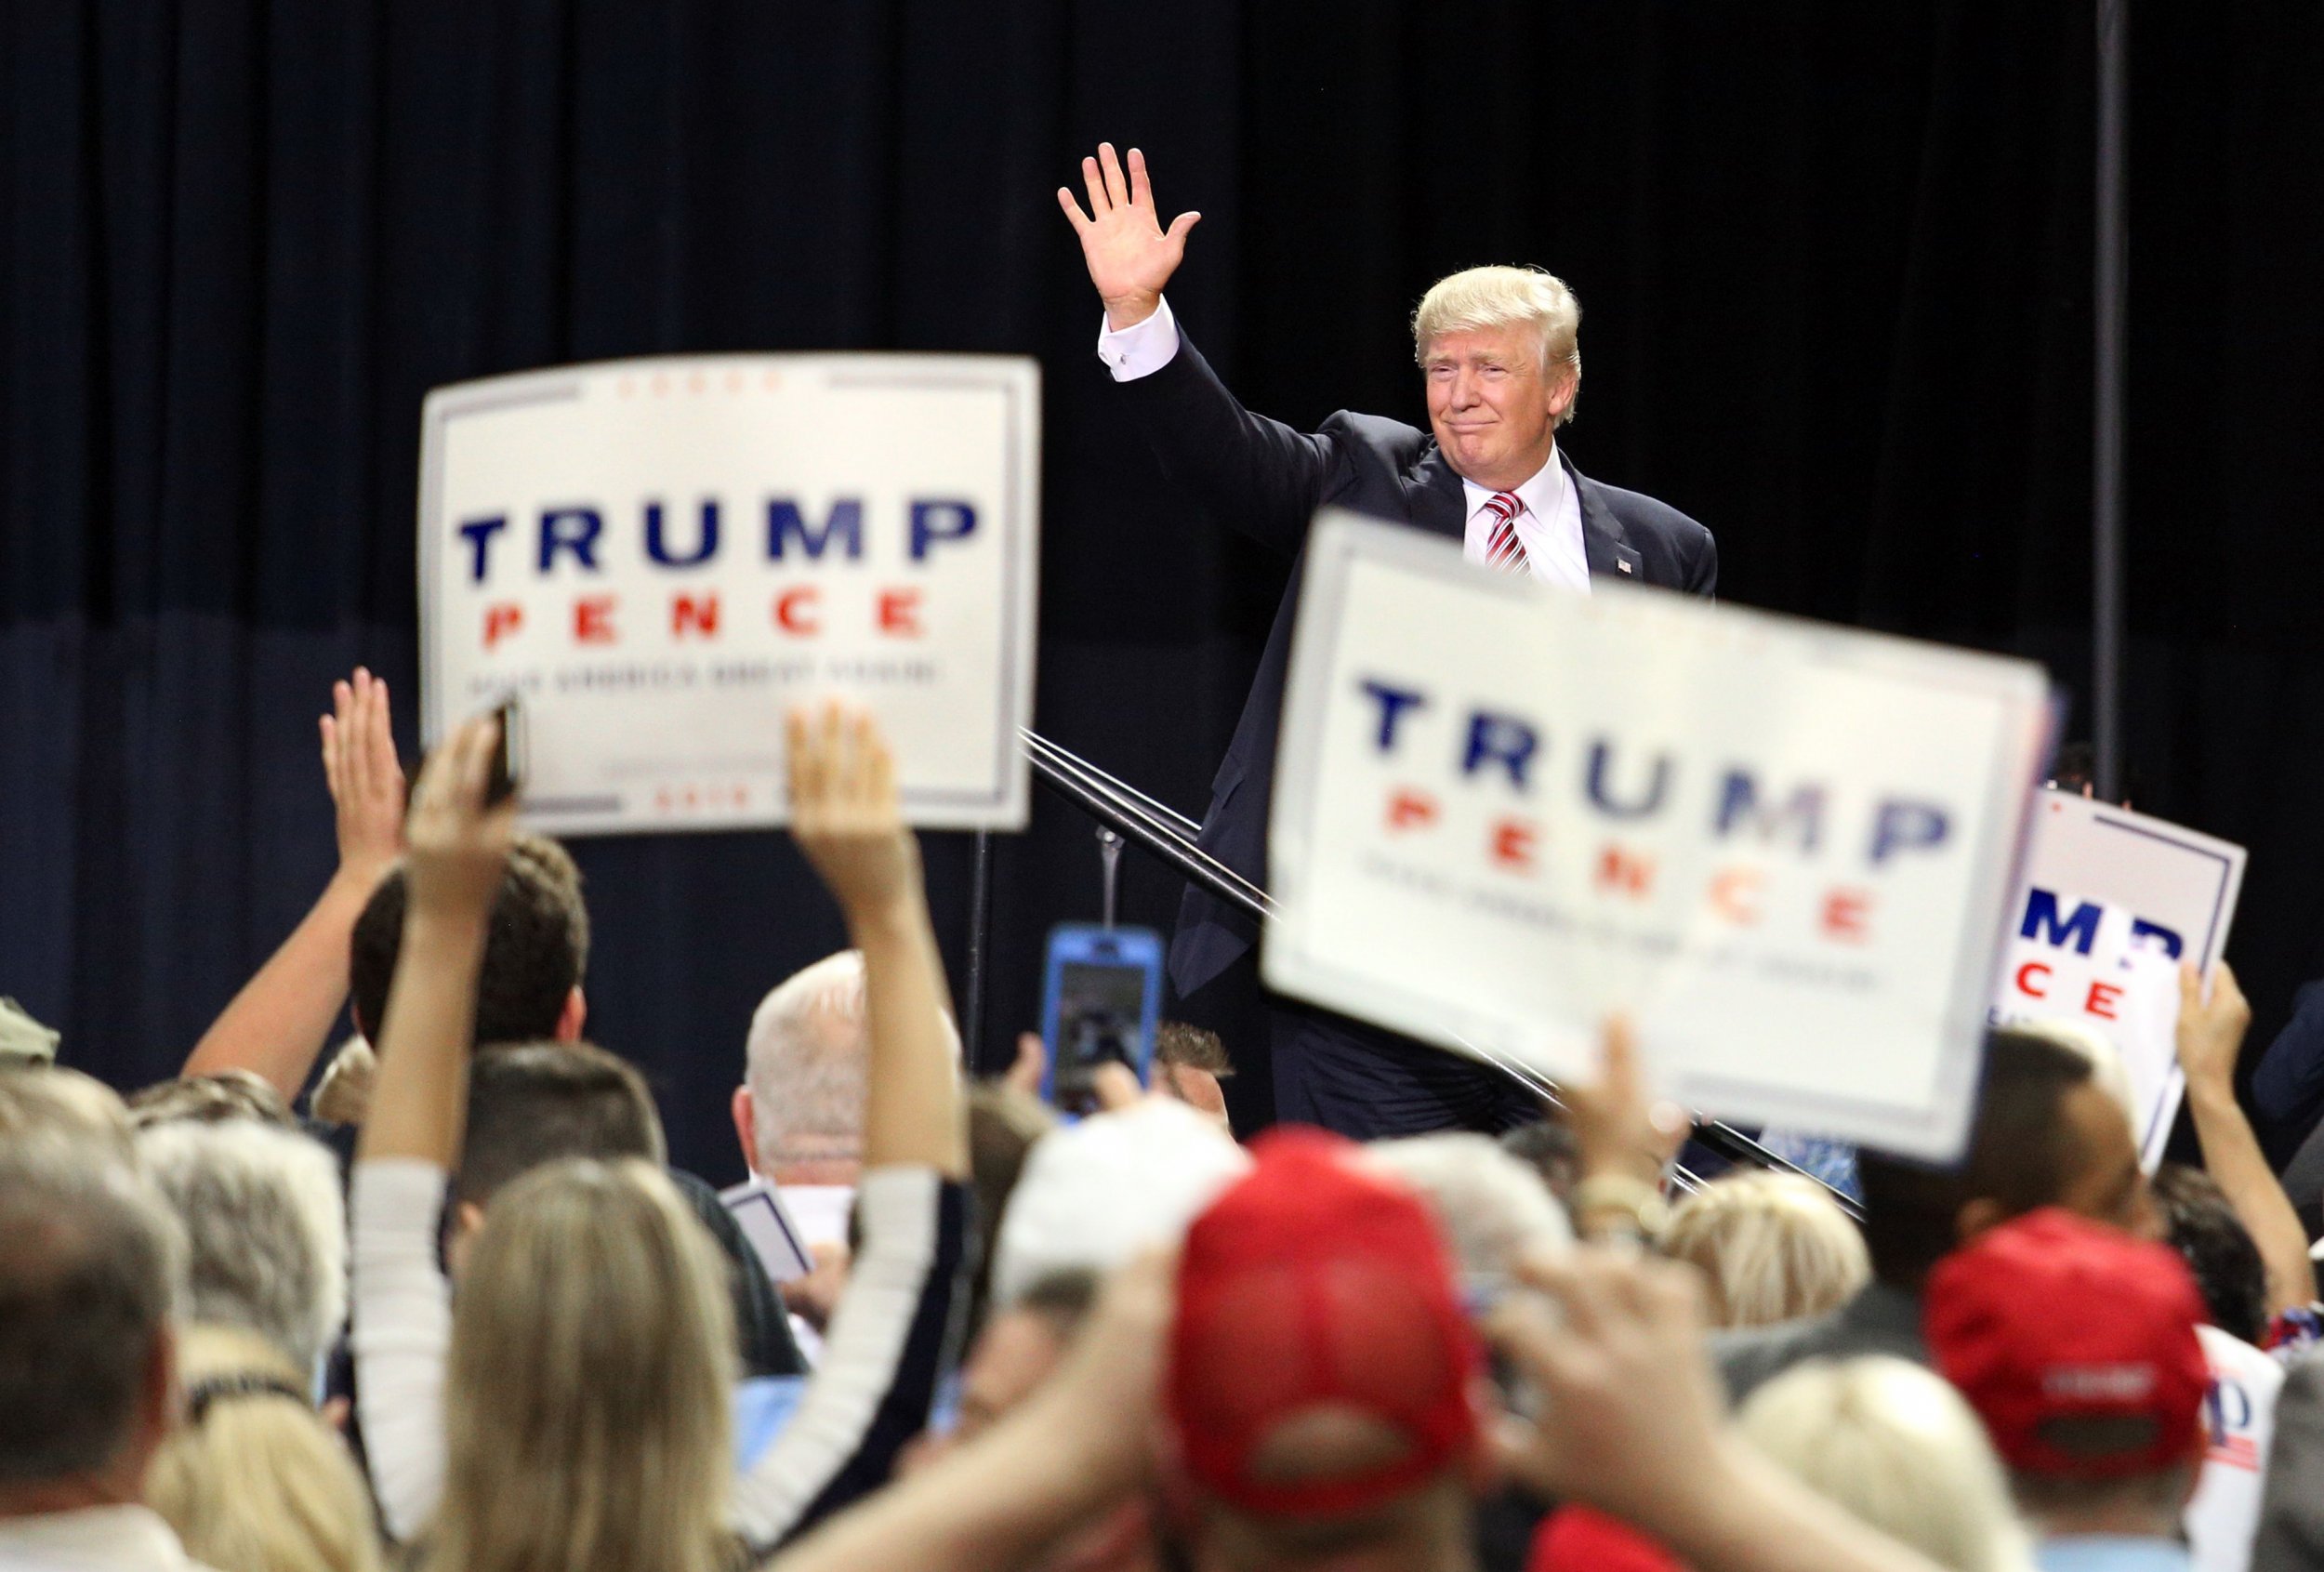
452,1308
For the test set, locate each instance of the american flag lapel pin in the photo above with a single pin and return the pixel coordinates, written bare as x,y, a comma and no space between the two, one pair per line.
1623,564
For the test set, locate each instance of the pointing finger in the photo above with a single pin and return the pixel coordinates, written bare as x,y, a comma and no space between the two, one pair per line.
1100,203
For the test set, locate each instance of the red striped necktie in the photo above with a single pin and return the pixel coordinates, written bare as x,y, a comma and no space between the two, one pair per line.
1502,548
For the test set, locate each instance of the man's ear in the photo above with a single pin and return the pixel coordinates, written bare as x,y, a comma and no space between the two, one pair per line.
574,1017
1565,390
747,1126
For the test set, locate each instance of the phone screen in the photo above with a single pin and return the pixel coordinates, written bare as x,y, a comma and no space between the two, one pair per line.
1100,1016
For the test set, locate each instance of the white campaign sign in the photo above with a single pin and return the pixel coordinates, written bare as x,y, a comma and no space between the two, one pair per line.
2109,902
660,557
1784,849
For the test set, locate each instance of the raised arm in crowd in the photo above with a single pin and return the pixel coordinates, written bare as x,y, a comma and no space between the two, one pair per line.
528,1283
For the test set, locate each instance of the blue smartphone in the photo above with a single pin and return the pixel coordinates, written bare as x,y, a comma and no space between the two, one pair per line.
1099,998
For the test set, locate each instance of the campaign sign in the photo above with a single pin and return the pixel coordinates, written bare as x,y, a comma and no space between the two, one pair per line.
2109,904
659,558
1785,849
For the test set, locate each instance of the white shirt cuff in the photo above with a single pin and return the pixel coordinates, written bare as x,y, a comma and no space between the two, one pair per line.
1141,349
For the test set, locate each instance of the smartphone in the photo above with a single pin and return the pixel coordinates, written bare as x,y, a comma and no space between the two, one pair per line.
508,755
1099,998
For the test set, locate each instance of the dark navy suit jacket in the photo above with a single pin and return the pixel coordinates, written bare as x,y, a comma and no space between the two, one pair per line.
1269,480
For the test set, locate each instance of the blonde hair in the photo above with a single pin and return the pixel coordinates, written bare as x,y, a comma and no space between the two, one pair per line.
1896,1447
1477,299
1773,1246
586,1412
255,1479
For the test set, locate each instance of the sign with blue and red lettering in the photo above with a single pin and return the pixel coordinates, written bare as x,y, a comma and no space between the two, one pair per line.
659,558
1785,849
2110,902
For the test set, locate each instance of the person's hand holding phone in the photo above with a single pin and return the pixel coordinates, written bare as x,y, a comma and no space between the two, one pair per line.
458,844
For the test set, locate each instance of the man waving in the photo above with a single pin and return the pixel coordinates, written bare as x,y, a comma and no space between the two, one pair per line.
1501,365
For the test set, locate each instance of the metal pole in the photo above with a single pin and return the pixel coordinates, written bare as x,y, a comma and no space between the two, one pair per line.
979,922
1110,861
2113,267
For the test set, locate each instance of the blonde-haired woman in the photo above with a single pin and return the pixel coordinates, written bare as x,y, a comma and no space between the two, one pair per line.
1898,1447
1773,1246
255,1480
587,1419
573,1411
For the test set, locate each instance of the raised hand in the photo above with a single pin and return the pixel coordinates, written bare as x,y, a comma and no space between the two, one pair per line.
1619,1130
366,783
460,847
1130,255
844,814
2211,1030
1630,1407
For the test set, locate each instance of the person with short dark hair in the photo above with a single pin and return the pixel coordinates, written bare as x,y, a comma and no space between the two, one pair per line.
91,1265
537,950
2200,1224
2045,1134
531,1103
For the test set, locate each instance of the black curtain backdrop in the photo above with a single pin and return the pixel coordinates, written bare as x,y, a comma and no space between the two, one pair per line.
1835,260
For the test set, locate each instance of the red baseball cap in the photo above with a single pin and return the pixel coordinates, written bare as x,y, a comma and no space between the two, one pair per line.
1312,1285
1575,1538
2075,1344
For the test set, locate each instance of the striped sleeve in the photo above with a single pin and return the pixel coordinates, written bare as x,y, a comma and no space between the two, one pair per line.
888,1346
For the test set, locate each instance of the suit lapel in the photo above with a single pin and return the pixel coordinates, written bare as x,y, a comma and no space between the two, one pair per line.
1434,496
1603,544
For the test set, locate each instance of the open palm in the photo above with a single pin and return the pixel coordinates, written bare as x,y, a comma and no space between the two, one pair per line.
1130,254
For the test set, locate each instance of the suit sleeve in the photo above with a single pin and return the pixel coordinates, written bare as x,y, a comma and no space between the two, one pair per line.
2292,1511
1254,473
1703,577
2289,1084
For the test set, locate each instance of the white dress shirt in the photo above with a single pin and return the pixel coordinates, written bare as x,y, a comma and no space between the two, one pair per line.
1550,528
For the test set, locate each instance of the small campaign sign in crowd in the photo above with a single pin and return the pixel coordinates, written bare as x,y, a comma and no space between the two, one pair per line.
2110,902
657,557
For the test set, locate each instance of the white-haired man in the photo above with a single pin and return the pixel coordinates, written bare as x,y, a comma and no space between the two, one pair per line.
798,1116
1501,365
